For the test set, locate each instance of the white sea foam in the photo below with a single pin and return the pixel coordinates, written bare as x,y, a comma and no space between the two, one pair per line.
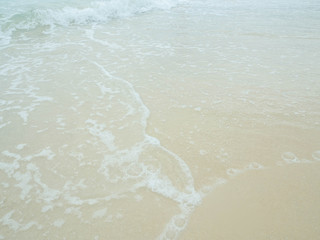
74,13
24,115
10,222
46,208
234,172
108,147
9,168
46,152
129,164
255,166
176,224
20,146
316,155
41,98
58,223
290,157
104,42
24,182
4,124
11,155
99,213
99,130
7,220
203,152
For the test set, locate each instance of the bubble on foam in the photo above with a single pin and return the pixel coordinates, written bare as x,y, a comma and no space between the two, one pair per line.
254,166
149,171
290,157
176,224
180,221
316,155
153,169
233,171
135,170
170,234
156,184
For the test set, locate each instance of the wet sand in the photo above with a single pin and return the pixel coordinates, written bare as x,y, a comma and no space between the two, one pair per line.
195,122
274,203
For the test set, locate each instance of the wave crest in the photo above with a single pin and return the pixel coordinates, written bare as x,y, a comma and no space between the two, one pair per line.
100,11
65,15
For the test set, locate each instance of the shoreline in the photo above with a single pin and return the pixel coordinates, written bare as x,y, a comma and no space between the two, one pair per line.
274,203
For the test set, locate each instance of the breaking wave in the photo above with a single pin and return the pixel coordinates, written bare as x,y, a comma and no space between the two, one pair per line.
16,16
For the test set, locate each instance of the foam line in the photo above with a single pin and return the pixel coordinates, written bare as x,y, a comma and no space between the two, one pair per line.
149,139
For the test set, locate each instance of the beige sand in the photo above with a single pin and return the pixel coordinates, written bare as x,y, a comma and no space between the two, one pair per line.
275,203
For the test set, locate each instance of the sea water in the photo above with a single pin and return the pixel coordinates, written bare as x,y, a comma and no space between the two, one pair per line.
118,117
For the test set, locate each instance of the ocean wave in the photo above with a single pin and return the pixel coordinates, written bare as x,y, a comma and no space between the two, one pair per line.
100,11
66,14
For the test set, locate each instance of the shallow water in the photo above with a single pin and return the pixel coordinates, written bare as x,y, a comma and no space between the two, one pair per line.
118,118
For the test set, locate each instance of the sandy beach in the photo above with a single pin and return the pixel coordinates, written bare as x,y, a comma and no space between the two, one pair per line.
275,203
149,119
